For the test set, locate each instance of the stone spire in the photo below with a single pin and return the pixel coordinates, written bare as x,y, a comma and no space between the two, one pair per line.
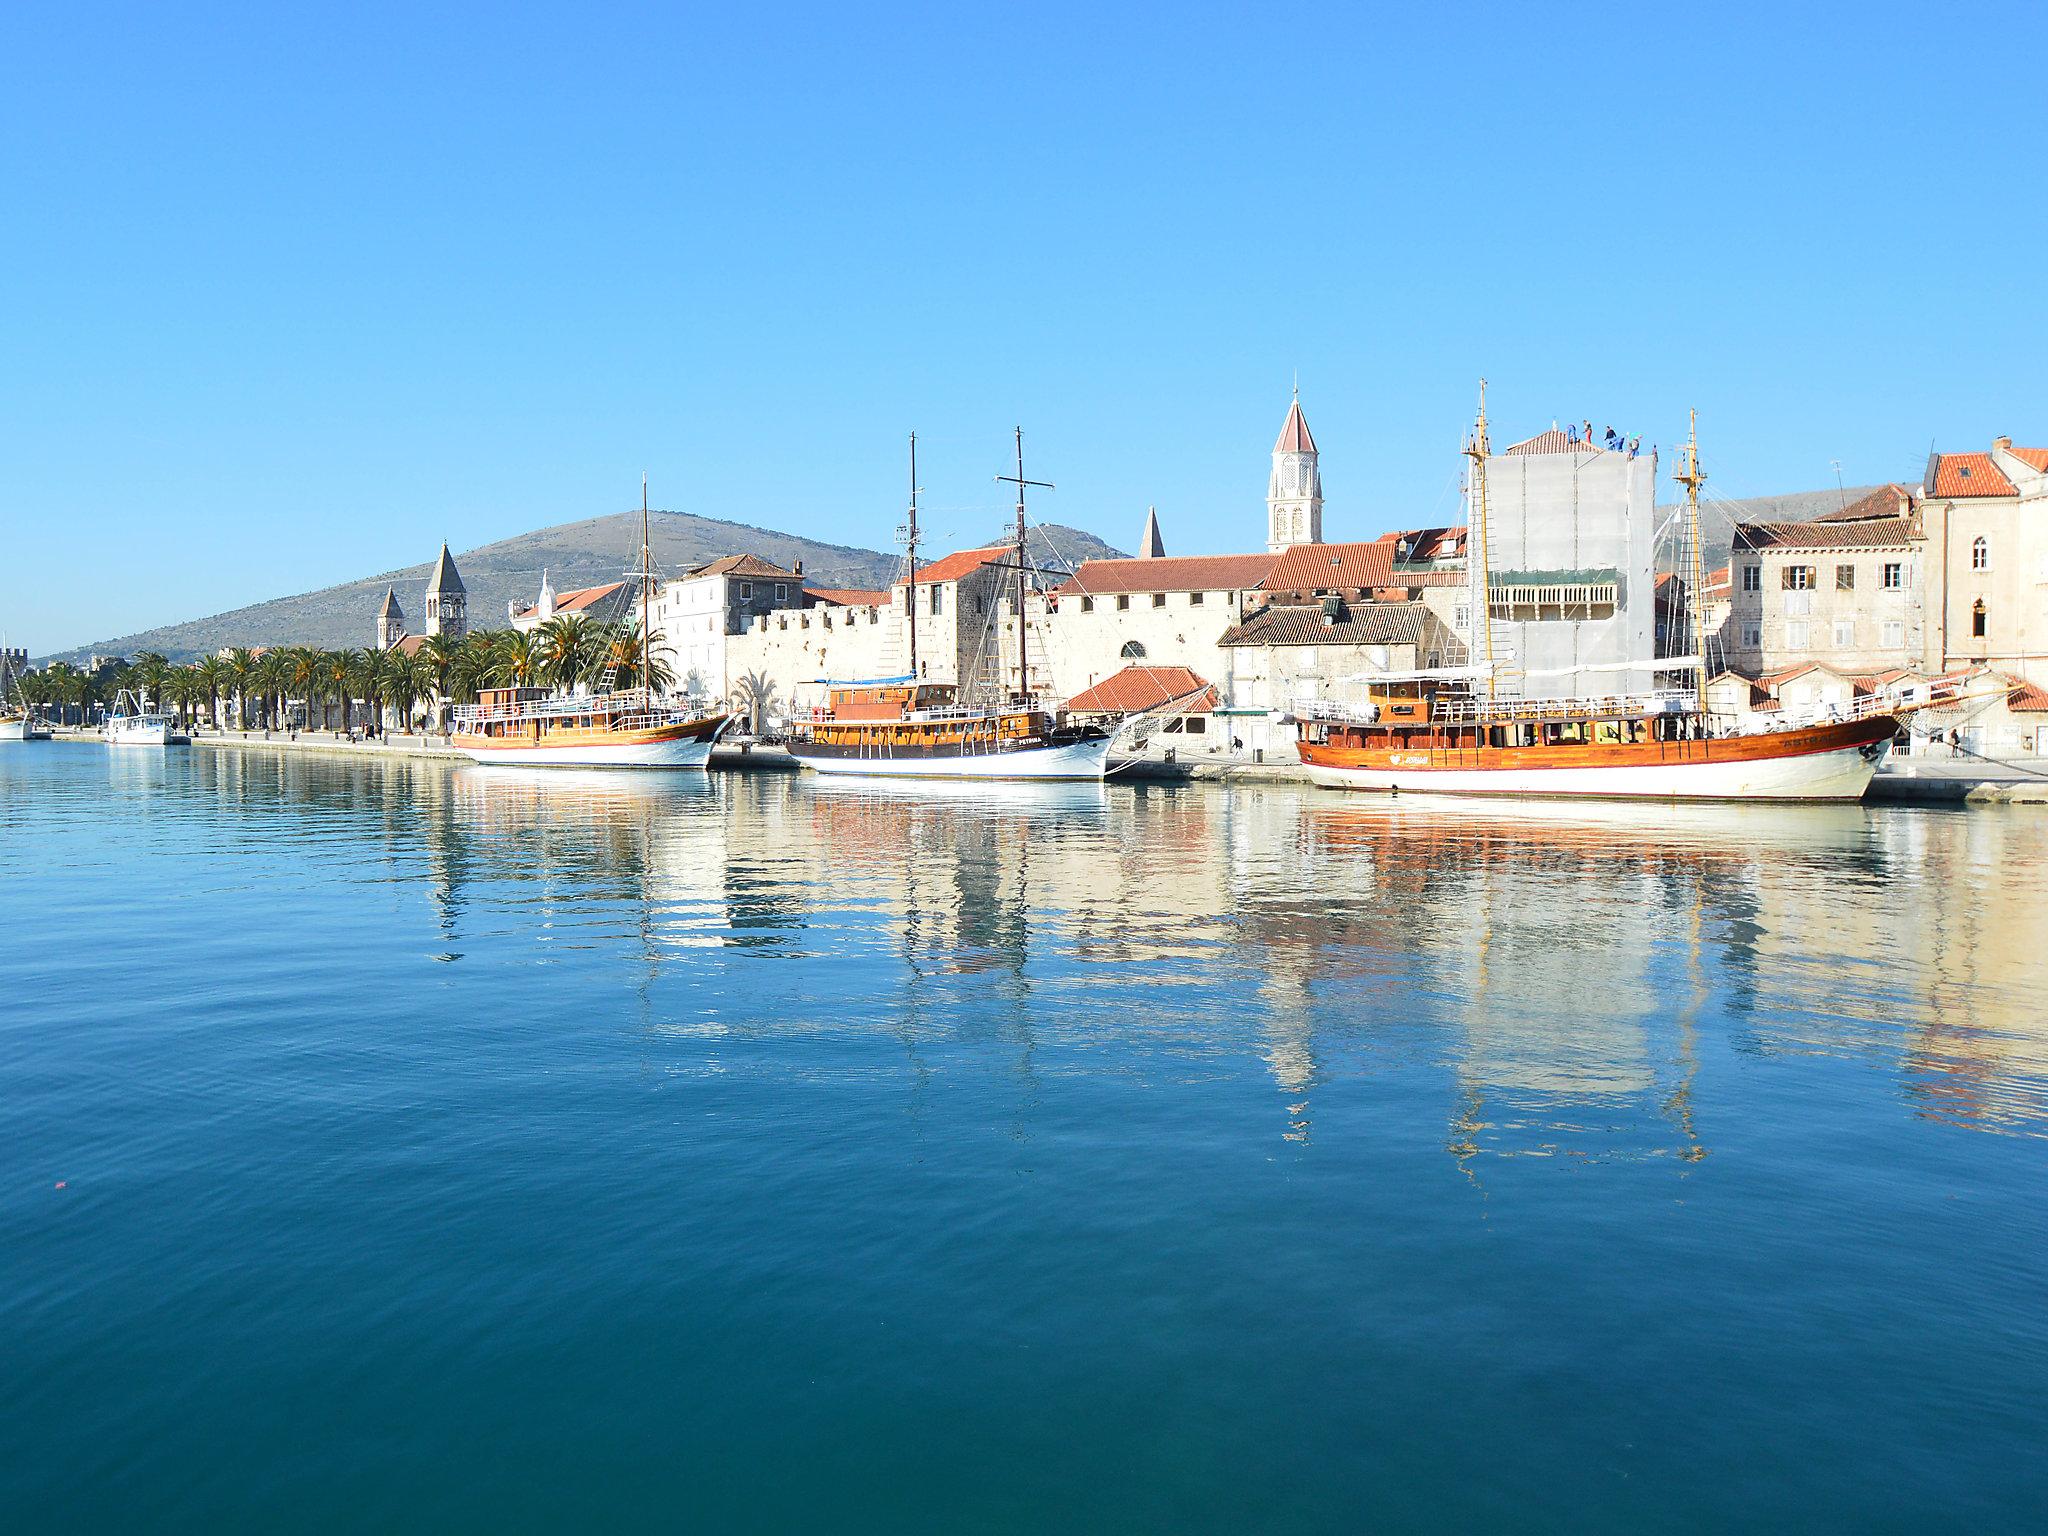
390,621
447,600
1150,545
1294,496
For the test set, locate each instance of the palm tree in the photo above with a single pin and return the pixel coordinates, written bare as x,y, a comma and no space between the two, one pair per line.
567,642
619,657
269,676
419,682
339,671
516,662
212,673
240,671
756,692
299,675
441,653
147,673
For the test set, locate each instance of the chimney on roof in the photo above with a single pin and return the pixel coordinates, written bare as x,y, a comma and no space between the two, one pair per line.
2002,442
799,569
1333,610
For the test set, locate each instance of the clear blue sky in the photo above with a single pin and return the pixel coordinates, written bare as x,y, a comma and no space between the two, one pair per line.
294,293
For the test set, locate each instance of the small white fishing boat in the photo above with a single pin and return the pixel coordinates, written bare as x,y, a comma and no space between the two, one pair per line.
130,725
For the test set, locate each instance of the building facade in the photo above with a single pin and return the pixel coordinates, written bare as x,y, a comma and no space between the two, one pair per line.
1984,521
1844,591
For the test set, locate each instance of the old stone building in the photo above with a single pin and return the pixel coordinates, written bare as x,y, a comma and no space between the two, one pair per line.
1843,591
1984,526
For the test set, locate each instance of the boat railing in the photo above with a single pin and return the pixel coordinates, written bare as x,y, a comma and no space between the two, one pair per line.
625,711
1467,710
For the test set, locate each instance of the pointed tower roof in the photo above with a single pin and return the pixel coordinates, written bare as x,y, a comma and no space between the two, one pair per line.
1294,435
390,609
1150,545
445,579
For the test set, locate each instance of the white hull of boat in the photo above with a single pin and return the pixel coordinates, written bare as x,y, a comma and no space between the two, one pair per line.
1841,774
22,730
154,733
1078,760
638,754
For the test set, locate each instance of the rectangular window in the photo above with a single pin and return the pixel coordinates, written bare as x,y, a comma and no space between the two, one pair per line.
1158,599
1123,601
1796,578
1894,634
938,599
1752,578
1845,578
1195,599
1087,605
1979,622
1752,636
1845,634
746,591
1795,637
1894,575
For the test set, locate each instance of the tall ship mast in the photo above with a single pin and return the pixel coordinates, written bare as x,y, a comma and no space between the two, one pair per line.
559,727
910,727
1453,731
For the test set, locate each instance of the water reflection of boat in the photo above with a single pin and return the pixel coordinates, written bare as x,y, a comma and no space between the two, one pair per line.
995,794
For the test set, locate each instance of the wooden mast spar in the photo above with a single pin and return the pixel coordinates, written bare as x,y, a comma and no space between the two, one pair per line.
1475,536
909,534
646,582
1023,655
1690,476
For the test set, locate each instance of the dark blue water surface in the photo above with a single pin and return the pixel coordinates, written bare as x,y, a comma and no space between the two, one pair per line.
388,1145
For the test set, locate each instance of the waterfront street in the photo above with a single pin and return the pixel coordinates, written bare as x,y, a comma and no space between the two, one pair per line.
538,1151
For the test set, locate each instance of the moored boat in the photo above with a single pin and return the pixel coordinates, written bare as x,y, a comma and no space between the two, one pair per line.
537,728
1449,731
904,727
901,728
130,725
1419,736
531,728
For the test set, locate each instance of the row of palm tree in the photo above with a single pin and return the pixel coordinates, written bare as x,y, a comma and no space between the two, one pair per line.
259,690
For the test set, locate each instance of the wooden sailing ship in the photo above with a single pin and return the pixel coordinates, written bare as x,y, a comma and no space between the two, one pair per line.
905,726
1453,733
630,728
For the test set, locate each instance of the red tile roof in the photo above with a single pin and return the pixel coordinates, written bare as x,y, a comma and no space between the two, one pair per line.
1556,440
584,597
961,563
1141,688
1294,433
1957,475
1171,573
2033,458
745,565
2027,699
1310,568
1885,501
848,597
1874,533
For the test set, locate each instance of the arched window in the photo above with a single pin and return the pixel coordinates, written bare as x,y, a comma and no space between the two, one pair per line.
1980,553
1133,651
1979,620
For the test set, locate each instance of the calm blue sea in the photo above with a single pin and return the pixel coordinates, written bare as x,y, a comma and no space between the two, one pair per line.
393,1146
